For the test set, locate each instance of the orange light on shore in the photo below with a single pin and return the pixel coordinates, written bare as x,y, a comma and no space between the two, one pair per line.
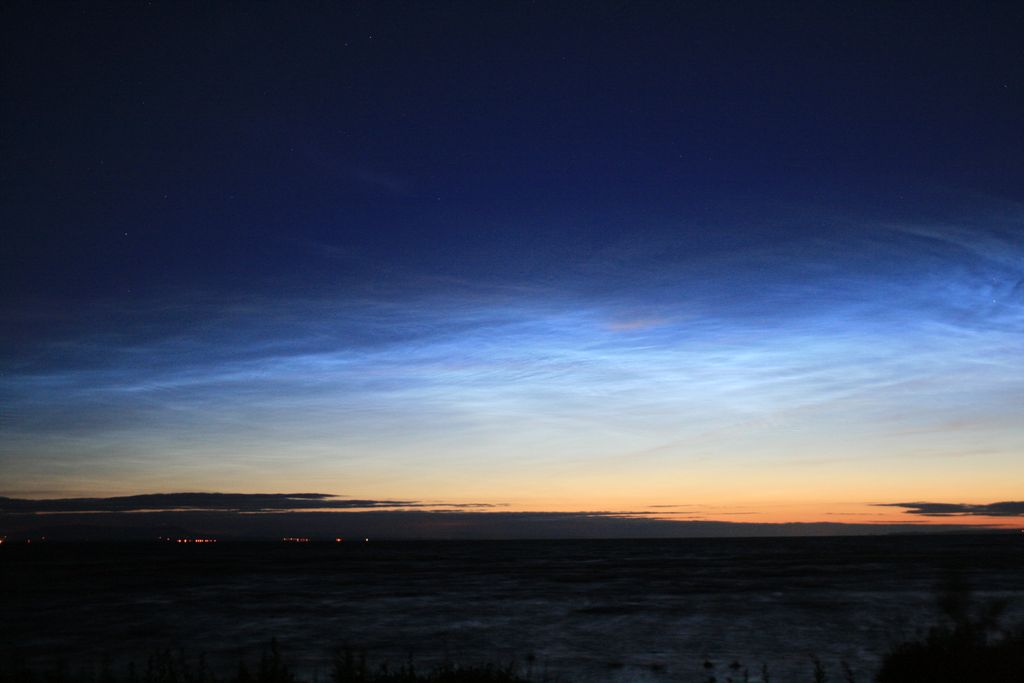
339,540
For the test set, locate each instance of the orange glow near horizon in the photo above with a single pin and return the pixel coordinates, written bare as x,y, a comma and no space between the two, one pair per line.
679,500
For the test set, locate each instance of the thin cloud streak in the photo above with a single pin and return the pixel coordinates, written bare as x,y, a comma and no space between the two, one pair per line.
235,502
1001,509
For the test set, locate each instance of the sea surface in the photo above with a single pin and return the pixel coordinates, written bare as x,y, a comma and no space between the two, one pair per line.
615,610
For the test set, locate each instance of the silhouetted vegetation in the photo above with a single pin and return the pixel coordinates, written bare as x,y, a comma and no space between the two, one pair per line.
971,645
738,673
351,667
348,666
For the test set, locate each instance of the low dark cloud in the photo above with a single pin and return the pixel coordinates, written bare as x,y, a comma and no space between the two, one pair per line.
270,515
225,502
323,516
1001,509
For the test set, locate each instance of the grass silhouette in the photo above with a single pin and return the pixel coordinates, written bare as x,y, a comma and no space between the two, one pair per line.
165,666
970,646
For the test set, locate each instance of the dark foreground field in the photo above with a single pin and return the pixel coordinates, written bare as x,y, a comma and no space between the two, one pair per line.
813,609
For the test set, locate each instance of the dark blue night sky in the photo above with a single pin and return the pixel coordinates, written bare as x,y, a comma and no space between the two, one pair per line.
738,257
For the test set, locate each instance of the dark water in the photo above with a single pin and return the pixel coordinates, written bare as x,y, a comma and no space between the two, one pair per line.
585,610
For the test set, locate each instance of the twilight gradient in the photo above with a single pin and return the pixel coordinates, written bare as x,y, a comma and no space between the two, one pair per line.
802,378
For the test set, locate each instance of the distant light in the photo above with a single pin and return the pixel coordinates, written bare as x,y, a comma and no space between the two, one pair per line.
338,540
366,540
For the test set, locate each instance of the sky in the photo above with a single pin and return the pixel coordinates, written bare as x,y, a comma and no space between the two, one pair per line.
682,262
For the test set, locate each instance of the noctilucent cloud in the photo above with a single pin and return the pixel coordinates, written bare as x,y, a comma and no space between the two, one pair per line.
708,263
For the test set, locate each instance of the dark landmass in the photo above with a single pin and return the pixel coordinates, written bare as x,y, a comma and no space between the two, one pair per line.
420,525
580,610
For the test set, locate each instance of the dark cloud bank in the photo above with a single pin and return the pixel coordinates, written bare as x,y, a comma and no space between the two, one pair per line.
166,502
1008,508
317,515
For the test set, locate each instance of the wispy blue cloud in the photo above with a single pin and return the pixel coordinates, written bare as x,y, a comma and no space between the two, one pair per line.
836,348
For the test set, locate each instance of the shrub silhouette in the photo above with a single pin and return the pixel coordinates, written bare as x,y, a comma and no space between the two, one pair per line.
350,667
970,647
